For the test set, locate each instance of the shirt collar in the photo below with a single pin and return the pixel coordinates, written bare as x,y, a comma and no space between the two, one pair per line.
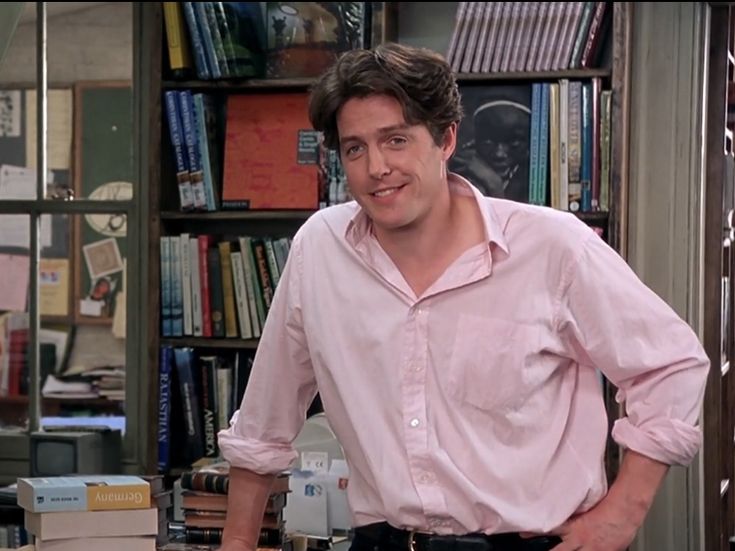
360,225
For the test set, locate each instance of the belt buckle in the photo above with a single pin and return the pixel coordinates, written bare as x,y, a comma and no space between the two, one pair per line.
411,542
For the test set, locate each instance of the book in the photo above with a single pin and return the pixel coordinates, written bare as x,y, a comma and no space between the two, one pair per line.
95,544
83,493
90,524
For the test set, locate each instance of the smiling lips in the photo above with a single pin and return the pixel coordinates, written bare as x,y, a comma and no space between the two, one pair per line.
387,191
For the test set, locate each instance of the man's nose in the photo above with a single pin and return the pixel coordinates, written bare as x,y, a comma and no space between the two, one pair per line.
377,165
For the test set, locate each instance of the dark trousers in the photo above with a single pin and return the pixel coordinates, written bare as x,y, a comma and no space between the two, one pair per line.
383,537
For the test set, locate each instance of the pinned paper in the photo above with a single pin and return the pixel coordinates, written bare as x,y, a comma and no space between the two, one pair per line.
89,307
15,275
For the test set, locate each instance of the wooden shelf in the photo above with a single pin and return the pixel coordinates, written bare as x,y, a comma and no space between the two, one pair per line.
205,342
304,83
235,85
75,402
297,215
238,215
535,75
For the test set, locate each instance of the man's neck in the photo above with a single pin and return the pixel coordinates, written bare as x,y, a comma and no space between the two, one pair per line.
424,252
422,241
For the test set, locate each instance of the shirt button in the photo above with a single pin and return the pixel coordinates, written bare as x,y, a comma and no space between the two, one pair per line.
426,478
415,422
418,367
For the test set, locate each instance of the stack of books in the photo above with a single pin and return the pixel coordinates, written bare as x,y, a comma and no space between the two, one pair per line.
204,504
89,513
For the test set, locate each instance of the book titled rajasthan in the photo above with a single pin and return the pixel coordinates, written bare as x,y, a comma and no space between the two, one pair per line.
83,493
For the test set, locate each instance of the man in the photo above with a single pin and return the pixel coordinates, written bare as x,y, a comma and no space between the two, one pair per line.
455,341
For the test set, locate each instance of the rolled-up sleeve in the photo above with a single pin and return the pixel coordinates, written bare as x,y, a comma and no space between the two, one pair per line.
281,384
613,322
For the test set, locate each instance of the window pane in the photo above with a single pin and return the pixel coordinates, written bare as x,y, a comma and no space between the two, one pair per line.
90,120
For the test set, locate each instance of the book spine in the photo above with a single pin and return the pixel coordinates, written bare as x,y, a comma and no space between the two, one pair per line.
216,293
117,497
179,54
200,57
164,409
183,181
215,483
196,174
200,16
204,285
227,289
166,325
177,298
543,156
190,403
208,367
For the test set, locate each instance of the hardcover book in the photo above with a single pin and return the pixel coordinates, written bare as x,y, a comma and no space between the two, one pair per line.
271,153
83,493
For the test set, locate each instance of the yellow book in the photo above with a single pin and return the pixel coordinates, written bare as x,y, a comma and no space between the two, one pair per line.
178,46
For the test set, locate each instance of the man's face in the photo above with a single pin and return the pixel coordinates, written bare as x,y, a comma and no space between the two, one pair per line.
395,171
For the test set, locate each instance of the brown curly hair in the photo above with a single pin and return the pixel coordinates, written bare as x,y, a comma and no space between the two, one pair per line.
420,79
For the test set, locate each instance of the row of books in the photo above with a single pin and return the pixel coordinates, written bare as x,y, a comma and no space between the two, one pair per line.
194,133
217,287
570,145
527,36
230,40
199,391
255,151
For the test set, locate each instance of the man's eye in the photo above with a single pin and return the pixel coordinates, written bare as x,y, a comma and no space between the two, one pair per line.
397,140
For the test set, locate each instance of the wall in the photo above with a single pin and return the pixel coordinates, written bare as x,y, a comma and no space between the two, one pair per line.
107,27
665,207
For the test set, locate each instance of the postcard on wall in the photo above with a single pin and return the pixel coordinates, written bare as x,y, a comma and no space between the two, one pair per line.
103,258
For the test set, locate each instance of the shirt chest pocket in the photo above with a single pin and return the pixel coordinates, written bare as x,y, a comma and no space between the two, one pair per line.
490,366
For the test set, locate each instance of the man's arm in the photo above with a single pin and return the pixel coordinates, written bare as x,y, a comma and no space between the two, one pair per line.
613,523
246,501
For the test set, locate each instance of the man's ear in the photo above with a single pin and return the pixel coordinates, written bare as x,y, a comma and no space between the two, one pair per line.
449,142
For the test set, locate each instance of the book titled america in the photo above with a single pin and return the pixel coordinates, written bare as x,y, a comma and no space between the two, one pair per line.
83,493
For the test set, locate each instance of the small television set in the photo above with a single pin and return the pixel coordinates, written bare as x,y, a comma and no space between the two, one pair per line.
90,450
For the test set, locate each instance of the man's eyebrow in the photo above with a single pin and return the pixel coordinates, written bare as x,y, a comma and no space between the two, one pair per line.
381,131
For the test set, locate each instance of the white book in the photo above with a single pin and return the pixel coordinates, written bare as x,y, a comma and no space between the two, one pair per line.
196,289
61,525
241,299
564,144
186,283
98,544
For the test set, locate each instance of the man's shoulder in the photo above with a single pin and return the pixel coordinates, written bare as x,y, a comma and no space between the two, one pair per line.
329,221
547,226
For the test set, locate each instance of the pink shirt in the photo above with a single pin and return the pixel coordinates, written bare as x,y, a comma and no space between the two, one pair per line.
475,407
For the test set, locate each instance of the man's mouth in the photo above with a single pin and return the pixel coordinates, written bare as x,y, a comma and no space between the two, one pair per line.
386,191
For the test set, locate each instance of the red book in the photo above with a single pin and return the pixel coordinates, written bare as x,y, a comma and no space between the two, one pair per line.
204,285
271,158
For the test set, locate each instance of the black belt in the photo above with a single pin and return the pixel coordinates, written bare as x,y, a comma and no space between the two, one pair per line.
384,536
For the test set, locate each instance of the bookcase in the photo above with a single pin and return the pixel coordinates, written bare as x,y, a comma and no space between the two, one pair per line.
719,295
166,219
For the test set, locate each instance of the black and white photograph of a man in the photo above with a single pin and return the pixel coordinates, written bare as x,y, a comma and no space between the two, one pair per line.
493,141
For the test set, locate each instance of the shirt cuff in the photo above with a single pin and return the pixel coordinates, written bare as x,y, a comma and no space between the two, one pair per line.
669,441
254,455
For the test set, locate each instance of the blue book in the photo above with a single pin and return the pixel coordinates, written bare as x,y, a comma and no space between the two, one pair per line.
164,408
